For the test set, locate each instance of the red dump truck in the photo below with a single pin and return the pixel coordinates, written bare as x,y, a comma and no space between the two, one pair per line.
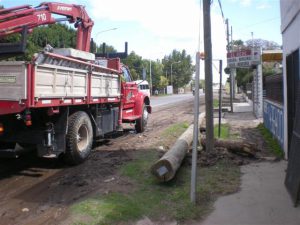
62,99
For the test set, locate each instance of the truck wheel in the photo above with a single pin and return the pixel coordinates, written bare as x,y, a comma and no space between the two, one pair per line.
141,123
79,138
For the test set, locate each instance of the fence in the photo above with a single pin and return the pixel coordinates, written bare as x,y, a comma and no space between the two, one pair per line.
273,86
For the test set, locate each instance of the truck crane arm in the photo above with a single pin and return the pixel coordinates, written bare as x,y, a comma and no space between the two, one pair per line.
16,19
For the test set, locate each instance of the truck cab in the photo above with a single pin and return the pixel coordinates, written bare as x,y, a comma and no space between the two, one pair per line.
133,95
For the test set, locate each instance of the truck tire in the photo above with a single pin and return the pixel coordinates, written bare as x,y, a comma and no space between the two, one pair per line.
79,138
141,123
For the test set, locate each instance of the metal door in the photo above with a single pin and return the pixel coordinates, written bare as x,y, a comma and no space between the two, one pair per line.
292,179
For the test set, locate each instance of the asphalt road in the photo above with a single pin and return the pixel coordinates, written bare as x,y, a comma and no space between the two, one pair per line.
170,99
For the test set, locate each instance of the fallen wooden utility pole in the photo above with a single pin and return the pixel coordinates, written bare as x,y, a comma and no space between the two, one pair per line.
165,168
235,146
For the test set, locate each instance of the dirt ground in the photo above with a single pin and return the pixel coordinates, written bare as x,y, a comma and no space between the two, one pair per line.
38,191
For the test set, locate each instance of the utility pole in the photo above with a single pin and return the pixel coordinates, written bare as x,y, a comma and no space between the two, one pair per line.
220,97
208,77
233,70
230,77
196,129
150,72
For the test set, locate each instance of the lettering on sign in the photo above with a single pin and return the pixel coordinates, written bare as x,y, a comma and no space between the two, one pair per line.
8,79
64,8
244,58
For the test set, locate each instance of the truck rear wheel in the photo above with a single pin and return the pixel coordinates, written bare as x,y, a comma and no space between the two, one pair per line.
79,138
141,123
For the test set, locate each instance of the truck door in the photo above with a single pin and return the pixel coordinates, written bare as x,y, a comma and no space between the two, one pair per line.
130,91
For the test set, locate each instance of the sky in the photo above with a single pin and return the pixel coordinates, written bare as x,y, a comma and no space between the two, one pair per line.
154,28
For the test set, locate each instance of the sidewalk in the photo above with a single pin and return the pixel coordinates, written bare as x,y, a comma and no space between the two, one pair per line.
263,198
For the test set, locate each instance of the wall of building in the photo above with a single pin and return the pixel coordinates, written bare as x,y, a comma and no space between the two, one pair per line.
290,28
273,120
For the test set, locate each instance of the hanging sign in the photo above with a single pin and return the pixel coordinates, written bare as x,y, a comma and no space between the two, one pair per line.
244,58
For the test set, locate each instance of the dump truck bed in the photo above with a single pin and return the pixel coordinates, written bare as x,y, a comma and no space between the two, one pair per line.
54,80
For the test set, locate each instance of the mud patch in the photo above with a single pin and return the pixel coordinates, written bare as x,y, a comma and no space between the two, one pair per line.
43,199
35,191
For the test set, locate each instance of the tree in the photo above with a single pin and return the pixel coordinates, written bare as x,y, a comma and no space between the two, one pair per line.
181,72
264,44
243,76
108,48
63,36
57,35
163,82
157,74
135,64
236,45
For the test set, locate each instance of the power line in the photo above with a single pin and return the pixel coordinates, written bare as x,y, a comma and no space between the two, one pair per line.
221,9
261,22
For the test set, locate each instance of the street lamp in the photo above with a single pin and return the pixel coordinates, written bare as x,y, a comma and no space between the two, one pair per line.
171,72
102,31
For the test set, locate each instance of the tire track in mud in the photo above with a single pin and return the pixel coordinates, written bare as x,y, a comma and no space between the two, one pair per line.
37,191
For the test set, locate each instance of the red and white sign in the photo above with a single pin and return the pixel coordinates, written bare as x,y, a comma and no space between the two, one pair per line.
243,58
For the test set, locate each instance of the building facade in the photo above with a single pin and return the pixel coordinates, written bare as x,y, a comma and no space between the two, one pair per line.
290,29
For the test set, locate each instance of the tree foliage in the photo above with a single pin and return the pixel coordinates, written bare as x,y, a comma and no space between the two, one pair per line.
163,82
236,45
63,36
161,70
182,68
264,44
135,64
56,35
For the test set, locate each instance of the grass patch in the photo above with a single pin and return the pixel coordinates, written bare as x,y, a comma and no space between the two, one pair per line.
215,103
160,200
175,130
271,141
169,135
225,131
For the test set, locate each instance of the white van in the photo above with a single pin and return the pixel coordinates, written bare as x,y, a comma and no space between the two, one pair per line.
143,86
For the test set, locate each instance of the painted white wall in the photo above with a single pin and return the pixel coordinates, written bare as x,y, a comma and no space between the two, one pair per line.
290,28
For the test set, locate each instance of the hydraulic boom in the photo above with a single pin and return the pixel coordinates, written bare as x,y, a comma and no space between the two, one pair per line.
16,19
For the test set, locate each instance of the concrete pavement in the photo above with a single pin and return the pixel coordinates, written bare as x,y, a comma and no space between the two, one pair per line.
263,199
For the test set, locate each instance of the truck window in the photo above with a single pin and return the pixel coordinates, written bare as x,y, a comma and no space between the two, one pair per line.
126,74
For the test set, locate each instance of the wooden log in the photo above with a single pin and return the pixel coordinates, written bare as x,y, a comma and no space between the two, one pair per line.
235,146
165,168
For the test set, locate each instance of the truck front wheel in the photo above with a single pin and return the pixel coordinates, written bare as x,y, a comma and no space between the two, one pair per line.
79,138
141,123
